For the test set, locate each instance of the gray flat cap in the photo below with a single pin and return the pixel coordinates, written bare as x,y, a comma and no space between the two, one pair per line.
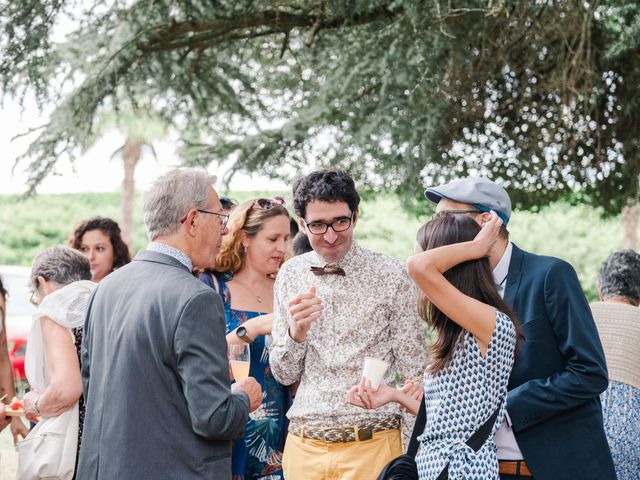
479,192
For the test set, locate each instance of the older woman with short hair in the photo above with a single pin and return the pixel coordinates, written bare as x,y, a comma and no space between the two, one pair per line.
61,289
617,317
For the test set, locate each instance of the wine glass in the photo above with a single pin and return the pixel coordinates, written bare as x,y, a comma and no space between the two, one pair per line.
239,359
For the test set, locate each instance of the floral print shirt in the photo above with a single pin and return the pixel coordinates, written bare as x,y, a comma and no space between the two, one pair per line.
371,311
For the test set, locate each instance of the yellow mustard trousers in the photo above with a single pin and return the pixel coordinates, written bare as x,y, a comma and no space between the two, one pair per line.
309,459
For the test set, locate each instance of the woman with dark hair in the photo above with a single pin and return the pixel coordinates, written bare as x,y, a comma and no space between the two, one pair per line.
250,256
99,239
617,317
473,353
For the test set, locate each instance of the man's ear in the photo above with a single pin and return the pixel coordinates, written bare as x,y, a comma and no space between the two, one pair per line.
483,218
190,221
303,225
355,216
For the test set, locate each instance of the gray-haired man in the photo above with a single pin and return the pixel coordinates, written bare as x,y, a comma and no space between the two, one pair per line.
154,357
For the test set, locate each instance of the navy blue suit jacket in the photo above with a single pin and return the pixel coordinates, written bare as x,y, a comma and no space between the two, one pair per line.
559,373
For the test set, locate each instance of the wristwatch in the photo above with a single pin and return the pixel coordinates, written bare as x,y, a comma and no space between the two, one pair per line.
241,332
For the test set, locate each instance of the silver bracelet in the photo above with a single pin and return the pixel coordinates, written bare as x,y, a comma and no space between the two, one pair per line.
35,406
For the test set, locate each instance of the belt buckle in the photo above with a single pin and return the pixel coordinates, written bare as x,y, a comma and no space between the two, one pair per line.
365,433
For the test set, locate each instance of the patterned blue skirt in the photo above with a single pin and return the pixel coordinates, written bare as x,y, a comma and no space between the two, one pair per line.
621,410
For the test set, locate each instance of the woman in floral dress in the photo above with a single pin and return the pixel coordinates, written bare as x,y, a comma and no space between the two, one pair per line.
250,256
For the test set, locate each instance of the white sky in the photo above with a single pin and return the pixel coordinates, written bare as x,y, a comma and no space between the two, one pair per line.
95,171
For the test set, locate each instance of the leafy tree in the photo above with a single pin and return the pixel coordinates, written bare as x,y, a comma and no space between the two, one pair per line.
542,95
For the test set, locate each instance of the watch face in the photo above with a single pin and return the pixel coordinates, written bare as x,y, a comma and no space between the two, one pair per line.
241,332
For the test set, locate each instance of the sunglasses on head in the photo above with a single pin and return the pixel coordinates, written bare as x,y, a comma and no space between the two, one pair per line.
267,203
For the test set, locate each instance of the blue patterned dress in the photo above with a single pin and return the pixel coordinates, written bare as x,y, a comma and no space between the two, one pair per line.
459,399
258,455
621,411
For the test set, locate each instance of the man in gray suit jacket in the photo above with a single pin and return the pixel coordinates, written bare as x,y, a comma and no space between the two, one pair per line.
154,355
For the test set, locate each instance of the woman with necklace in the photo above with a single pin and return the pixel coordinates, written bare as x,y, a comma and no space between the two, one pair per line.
250,256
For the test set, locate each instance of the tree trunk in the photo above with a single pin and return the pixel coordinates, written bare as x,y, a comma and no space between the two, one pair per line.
630,224
131,152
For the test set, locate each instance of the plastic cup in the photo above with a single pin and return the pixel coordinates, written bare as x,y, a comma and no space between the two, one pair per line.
374,370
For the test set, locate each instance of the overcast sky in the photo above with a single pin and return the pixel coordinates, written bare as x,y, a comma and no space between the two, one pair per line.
95,171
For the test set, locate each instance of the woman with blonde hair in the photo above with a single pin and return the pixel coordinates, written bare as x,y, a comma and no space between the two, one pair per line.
250,256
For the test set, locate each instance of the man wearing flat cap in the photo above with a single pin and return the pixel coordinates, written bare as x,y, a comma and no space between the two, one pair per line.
554,428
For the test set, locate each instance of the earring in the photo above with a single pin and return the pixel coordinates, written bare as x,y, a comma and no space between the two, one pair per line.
245,248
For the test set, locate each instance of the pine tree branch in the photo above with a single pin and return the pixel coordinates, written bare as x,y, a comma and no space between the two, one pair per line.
189,34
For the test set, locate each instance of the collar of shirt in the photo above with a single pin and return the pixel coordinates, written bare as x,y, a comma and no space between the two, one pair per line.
502,269
172,252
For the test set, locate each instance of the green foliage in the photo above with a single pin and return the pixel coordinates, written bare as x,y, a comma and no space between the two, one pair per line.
577,234
28,226
542,96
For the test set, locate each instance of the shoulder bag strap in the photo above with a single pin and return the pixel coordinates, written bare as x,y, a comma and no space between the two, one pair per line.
418,429
480,436
476,440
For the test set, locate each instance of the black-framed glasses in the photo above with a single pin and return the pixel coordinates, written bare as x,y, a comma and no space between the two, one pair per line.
320,228
223,218
267,203
454,212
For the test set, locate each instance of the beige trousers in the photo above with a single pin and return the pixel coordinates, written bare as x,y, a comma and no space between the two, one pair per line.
308,459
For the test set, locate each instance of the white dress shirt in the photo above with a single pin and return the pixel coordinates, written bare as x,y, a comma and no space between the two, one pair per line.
504,438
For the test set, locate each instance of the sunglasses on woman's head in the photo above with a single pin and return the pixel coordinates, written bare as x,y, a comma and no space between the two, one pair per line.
267,203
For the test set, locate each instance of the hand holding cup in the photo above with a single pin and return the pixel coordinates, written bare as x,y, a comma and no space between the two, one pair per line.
253,390
363,396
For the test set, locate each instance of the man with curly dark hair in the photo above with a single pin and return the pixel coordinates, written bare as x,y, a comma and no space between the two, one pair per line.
334,306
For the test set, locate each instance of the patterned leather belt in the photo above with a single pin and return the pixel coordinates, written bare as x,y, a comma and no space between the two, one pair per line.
514,467
346,433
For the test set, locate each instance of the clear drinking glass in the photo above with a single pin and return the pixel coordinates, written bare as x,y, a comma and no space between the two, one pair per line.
240,359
